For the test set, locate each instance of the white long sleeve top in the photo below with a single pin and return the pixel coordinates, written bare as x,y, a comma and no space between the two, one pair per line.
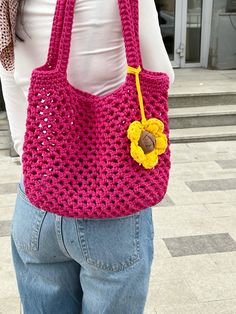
97,45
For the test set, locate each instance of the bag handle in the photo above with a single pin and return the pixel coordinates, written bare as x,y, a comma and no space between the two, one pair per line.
135,16
59,48
56,31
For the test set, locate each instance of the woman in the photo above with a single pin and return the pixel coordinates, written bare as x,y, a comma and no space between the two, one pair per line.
62,264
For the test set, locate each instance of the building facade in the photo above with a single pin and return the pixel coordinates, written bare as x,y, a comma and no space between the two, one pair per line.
199,33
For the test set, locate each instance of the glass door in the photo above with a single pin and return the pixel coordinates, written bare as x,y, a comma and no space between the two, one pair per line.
183,24
169,15
193,31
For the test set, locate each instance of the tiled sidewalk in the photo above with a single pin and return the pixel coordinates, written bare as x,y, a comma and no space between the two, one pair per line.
194,269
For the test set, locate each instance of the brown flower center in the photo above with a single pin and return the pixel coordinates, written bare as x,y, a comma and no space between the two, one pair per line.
147,142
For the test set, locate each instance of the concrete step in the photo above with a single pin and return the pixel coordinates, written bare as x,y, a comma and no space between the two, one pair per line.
203,116
5,145
179,100
5,140
203,134
3,121
4,134
5,137
3,125
202,87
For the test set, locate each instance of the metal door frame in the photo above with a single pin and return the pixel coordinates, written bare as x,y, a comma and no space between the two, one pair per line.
180,34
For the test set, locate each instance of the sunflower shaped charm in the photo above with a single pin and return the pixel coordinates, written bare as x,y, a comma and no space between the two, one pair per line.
147,141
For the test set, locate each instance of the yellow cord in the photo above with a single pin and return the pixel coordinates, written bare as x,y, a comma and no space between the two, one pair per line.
136,72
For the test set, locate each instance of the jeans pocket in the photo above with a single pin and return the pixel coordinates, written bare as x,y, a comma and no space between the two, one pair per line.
26,223
111,244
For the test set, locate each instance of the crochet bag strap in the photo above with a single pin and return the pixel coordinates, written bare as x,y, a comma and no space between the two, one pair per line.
56,31
59,48
135,17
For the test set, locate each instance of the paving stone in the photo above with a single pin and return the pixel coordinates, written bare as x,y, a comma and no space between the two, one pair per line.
10,305
231,196
8,287
7,201
222,209
160,249
177,186
227,164
201,244
219,307
8,188
203,156
181,153
6,213
212,185
216,307
10,173
227,224
5,253
187,197
5,227
9,298
186,174
179,213
167,201
189,227
225,262
163,292
220,146
168,269
191,168
212,287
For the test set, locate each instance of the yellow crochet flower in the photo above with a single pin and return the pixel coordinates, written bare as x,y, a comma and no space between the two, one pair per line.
154,126
157,140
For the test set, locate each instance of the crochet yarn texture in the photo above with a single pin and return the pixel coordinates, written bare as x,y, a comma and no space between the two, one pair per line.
76,153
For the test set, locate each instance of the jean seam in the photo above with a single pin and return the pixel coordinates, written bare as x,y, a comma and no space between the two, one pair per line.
80,232
36,228
59,235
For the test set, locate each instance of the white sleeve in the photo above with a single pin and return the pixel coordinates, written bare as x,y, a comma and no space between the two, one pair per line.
13,98
154,54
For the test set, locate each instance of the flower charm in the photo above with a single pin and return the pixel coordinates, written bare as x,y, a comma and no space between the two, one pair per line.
147,141
147,137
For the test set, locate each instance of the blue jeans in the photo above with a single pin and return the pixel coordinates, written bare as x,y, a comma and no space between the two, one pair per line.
92,266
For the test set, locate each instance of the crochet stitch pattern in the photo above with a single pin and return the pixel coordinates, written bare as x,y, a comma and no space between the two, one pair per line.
76,153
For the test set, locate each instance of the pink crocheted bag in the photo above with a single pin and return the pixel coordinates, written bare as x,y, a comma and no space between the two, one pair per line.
92,156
